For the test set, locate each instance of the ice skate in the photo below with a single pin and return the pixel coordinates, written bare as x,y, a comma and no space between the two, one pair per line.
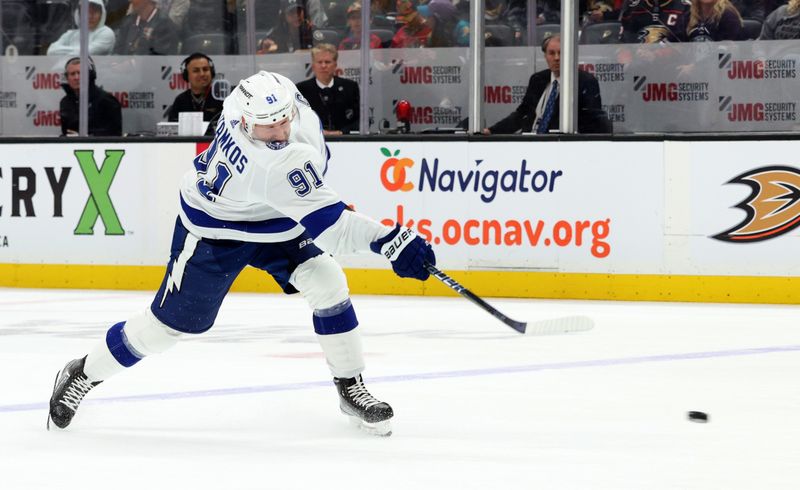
363,409
70,387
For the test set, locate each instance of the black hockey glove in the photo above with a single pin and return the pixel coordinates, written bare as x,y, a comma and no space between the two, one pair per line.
407,252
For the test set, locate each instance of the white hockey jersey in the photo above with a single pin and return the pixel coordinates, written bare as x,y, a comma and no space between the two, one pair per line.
253,191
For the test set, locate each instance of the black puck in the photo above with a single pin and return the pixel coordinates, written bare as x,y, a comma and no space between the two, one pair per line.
698,416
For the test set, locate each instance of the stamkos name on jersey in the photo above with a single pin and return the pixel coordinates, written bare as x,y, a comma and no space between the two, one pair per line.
224,142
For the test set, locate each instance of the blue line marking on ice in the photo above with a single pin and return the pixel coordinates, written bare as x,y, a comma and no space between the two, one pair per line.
246,390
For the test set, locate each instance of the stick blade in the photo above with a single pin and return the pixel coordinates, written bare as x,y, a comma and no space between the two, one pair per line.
518,326
561,325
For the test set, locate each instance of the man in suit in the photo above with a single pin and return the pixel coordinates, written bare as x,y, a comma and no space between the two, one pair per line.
334,99
539,110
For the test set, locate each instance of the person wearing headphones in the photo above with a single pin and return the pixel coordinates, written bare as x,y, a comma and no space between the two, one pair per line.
105,112
198,70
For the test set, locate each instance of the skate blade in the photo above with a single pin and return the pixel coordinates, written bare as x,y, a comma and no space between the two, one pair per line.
380,429
55,383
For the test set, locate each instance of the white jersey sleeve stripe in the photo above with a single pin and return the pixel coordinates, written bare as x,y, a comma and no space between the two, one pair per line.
352,232
320,220
204,220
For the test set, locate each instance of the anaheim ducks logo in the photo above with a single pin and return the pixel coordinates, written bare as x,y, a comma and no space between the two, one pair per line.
653,34
773,206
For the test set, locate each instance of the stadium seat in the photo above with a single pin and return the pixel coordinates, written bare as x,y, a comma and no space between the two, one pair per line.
55,18
752,28
19,26
498,35
330,36
385,35
546,30
210,43
601,33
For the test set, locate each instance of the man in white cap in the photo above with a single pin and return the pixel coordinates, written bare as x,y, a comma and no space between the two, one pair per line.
257,197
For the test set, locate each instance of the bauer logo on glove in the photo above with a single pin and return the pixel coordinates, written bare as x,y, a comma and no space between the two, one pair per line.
392,249
407,252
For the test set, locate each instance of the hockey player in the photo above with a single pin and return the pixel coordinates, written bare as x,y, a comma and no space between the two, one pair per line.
257,197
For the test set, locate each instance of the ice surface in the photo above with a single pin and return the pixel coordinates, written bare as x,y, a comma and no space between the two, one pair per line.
250,404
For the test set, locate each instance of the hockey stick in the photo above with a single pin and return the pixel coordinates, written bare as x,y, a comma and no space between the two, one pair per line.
565,324
450,282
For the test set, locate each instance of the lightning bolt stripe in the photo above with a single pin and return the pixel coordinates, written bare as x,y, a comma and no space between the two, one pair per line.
204,220
175,276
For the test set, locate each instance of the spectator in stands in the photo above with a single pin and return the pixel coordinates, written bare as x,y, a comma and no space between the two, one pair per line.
353,38
116,10
494,12
441,16
750,9
539,110
602,11
462,25
293,32
101,37
198,70
516,17
336,11
146,30
414,31
316,13
334,99
268,13
497,12
710,20
178,10
651,22
382,17
783,22
548,12
771,5
105,112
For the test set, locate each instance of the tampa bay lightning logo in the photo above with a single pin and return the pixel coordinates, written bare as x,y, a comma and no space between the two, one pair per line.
234,122
277,145
301,99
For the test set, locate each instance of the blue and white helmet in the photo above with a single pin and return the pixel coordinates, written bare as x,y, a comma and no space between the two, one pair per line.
263,99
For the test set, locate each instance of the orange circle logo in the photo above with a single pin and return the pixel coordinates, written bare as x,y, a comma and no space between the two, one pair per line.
397,180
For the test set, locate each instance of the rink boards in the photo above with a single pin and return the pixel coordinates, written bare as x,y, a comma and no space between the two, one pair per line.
647,220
